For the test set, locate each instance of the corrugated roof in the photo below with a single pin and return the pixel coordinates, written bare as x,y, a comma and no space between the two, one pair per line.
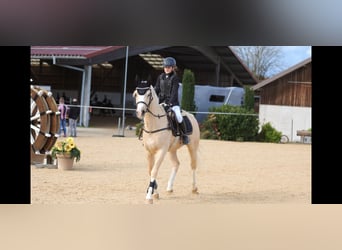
281,74
204,58
85,52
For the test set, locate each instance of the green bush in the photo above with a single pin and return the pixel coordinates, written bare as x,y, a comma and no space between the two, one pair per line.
269,134
240,124
138,128
209,128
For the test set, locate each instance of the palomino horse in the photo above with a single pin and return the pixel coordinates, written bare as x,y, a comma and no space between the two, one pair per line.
158,139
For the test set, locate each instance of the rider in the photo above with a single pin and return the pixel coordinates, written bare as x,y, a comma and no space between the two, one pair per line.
167,90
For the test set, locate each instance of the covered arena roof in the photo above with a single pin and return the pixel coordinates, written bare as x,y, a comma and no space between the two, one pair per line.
204,58
73,55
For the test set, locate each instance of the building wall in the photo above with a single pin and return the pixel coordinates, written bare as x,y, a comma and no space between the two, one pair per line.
286,119
293,89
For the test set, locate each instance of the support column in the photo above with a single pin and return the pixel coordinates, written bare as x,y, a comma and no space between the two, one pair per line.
85,96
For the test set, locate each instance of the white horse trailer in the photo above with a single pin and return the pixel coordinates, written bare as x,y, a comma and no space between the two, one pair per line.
207,96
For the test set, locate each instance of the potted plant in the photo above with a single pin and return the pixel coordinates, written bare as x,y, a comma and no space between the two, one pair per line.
66,152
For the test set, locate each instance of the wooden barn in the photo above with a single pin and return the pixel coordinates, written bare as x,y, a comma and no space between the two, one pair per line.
285,100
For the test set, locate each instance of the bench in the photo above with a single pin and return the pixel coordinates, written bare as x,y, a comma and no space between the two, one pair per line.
304,134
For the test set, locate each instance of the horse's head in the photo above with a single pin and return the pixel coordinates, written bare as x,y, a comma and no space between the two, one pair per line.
144,94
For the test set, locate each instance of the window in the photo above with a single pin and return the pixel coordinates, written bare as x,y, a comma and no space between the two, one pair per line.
216,98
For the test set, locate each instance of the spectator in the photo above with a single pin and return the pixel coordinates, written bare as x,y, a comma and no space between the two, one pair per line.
63,109
74,113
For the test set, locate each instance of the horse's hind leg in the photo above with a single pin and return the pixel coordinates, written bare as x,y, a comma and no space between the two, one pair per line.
175,166
193,163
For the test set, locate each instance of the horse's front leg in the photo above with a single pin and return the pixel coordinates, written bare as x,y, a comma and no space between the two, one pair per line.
152,188
154,162
175,166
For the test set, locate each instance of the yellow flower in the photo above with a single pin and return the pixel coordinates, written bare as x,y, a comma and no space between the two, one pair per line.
69,140
71,145
66,146
59,145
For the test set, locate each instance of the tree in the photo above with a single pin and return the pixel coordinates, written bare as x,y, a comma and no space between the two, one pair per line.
249,98
261,60
188,91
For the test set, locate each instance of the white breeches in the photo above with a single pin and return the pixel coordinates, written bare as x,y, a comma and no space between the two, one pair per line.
178,114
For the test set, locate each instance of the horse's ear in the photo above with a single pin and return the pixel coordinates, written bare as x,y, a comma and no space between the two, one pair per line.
137,79
149,79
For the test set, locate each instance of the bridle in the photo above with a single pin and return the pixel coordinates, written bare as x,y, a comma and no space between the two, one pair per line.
142,91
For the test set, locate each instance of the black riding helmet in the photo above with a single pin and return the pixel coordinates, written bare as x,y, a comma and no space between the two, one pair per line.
169,61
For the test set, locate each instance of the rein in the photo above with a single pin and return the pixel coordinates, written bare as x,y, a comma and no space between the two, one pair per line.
155,131
152,131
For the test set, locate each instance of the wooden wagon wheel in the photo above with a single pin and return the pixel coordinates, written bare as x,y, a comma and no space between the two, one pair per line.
40,120
54,121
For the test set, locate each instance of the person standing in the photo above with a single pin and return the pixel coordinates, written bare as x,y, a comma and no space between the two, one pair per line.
63,109
167,90
74,113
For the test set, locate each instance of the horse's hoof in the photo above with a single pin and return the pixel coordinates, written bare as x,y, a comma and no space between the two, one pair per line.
156,196
195,191
169,191
149,201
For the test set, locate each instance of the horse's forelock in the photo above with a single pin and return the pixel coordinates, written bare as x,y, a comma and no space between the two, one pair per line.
142,91
142,84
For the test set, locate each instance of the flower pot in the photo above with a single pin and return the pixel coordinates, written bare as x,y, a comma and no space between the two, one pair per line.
65,161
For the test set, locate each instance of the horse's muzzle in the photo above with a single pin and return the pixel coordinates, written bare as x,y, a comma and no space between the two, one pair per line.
140,114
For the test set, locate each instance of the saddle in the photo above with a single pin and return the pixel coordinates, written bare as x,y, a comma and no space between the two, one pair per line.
175,126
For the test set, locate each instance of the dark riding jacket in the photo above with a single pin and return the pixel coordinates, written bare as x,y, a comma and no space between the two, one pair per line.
74,112
167,88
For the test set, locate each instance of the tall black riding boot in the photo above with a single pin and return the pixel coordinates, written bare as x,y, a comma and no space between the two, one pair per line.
185,138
